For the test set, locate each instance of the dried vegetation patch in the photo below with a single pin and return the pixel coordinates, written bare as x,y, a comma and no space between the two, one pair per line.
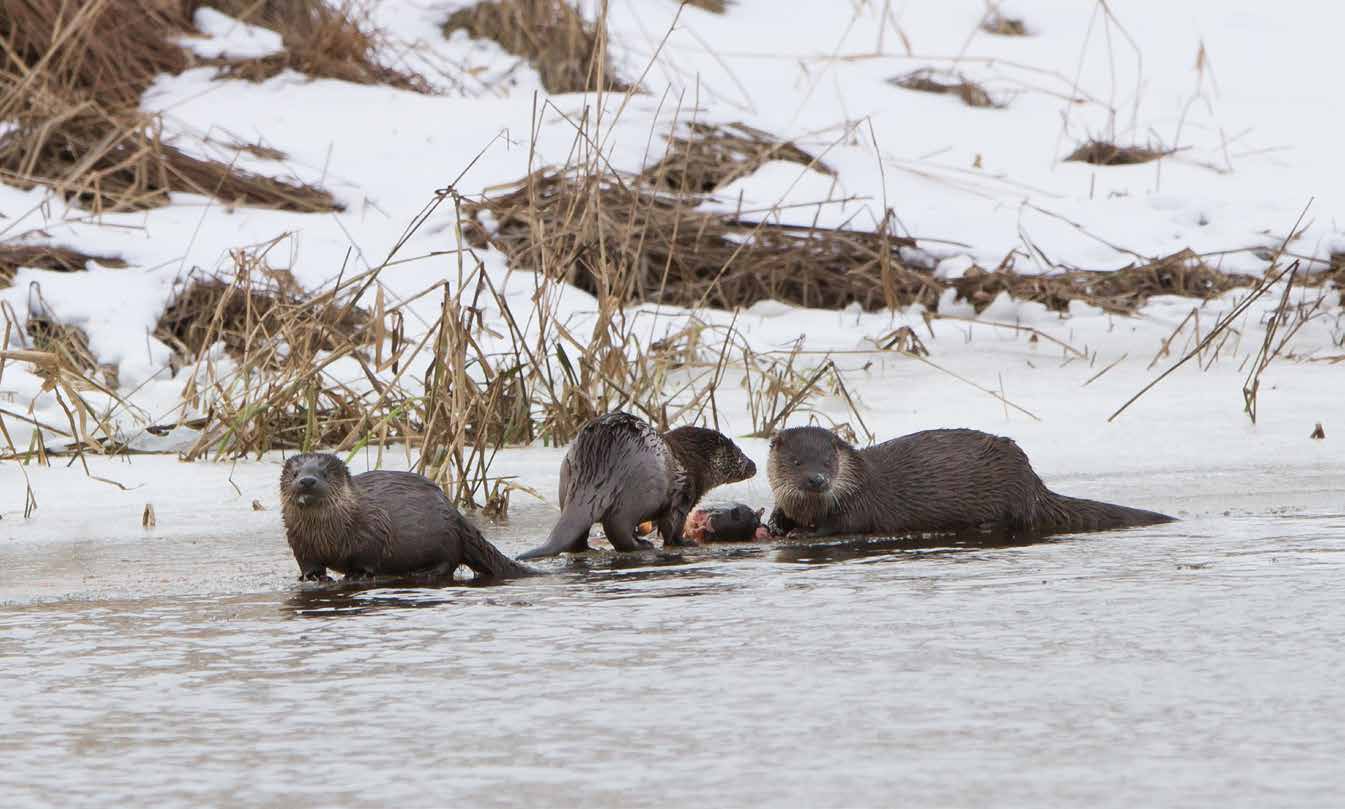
1121,291
613,236
996,23
1104,153
321,39
14,255
710,156
568,52
71,77
926,80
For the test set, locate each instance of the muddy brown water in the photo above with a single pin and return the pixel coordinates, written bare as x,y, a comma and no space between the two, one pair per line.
1192,664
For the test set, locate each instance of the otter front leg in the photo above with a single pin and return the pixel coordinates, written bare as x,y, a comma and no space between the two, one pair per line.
313,571
673,526
780,524
803,532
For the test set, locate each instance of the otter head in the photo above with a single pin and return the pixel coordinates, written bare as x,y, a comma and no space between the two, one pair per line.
311,480
710,456
808,472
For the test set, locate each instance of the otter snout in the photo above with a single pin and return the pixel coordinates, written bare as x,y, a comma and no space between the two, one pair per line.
816,482
749,469
308,489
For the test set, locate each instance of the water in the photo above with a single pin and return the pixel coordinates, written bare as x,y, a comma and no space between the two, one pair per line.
1190,664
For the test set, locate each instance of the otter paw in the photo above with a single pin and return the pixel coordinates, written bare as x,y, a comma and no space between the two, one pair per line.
322,577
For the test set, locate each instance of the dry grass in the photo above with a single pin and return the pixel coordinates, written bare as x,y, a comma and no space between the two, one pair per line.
106,51
244,314
568,53
272,392
106,162
1121,291
927,80
14,255
710,157
995,23
1102,153
612,236
71,77
321,40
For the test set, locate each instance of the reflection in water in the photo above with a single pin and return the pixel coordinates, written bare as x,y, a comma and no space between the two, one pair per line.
338,598
846,550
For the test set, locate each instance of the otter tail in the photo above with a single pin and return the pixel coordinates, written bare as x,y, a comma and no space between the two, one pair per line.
486,560
575,521
1078,514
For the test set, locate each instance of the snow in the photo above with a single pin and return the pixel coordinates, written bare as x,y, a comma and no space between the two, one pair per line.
1256,138
227,38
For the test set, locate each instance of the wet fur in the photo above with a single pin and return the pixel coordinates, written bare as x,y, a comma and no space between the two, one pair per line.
935,480
621,472
380,523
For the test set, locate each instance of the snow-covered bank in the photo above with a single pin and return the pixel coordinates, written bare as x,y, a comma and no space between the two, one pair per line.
978,183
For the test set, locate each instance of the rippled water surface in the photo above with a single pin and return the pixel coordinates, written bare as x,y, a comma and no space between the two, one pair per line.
1197,663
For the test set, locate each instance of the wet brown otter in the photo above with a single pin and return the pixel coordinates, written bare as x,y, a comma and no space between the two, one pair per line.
620,471
935,480
378,523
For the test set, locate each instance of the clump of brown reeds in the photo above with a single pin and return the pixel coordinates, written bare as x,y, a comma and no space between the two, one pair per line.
70,343
1121,291
255,308
71,77
569,53
711,156
109,162
927,80
996,23
59,354
321,39
273,393
615,237
56,258
1104,153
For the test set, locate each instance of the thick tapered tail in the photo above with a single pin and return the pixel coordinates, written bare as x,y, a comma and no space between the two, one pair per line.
574,524
486,559
1078,514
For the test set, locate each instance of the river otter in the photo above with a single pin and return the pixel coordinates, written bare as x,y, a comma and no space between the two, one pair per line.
620,471
378,523
935,480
